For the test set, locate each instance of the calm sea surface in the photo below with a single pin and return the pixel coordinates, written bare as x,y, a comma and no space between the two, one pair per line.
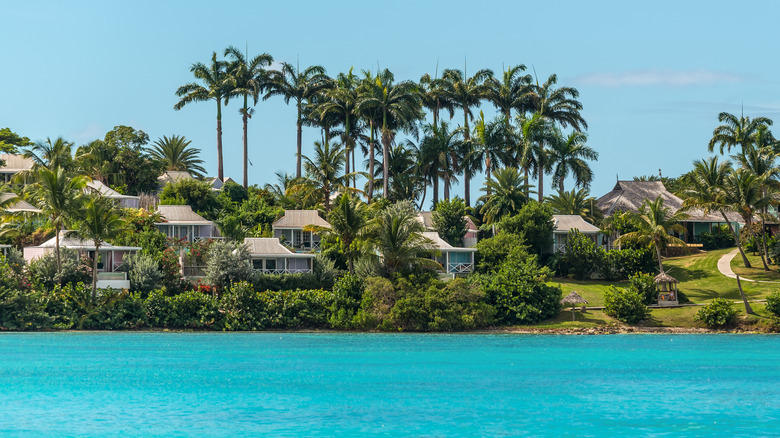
279,384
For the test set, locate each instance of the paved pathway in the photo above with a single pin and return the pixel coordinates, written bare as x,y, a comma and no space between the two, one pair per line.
724,266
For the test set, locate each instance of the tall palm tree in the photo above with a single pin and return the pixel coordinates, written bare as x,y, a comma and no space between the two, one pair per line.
533,153
736,131
175,154
96,159
370,87
568,155
51,154
59,197
492,142
399,106
396,235
325,171
246,78
575,202
348,221
433,96
215,87
655,223
559,105
704,188
761,161
467,93
291,83
442,147
340,102
511,92
99,221
508,194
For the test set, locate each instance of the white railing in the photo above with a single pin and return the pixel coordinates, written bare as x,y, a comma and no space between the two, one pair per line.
460,268
285,271
194,271
559,247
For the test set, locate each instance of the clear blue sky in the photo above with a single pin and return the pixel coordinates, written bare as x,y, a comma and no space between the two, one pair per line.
652,77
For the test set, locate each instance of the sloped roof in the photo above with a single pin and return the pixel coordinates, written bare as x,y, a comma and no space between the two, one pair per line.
107,191
15,163
564,223
269,246
181,214
426,217
630,195
300,219
442,245
19,206
174,175
69,239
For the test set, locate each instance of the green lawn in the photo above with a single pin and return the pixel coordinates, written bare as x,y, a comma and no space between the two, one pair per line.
699,279
757,272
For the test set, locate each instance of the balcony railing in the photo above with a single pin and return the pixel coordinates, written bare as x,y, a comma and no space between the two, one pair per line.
460,268
194,271
559,247
285,271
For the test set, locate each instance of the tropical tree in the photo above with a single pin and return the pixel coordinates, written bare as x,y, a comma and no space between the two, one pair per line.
575,202
558,104
97,159
512,91
736,131
568,155
340,102
533,153
215,87
99,221
467,93
59,197
51,154
743,192
492,142
175,154
704,188
348,221
398,105
301,87
370,86
655,223
325,171
246,79
441,149
396,235
433,97
508,194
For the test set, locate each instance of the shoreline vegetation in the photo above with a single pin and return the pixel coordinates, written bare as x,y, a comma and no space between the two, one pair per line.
371,257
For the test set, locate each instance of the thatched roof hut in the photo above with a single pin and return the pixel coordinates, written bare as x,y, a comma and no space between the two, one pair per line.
663,277
573,299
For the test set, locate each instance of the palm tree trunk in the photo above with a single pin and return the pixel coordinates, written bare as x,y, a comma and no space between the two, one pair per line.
94,270
354,168
346,147
447,189
560,185
467,189
435,191
540,190
764,255
57,250
299,139
385,159
526,179
371,162
658,254
246,149
736,240
220,169
487,174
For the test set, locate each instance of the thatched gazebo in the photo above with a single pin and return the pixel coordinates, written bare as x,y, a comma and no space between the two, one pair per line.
666,286
574,299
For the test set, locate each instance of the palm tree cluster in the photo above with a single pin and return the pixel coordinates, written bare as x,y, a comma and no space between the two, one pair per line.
367,111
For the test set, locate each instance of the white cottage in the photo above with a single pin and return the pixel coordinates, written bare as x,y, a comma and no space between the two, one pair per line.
13,165
271,257
291,227
180,222
453,260
109,257
565,224
123,201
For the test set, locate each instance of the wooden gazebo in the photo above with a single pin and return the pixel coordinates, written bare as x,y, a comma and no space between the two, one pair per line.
666,286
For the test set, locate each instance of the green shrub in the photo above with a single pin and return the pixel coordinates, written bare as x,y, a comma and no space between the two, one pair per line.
581,257
347,295
243,308
534,224
625,305
277,282
493,251
117,310
194,310
519,293
75,269
378,299
228,262
717,314
623,263
449,220
23,310
644,285
158,309
773,303
143,271
296,309
716,240
324,270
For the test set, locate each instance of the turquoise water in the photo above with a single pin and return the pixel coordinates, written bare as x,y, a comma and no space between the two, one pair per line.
280,384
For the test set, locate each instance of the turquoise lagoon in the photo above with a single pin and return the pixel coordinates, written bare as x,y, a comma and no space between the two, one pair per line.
324,384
